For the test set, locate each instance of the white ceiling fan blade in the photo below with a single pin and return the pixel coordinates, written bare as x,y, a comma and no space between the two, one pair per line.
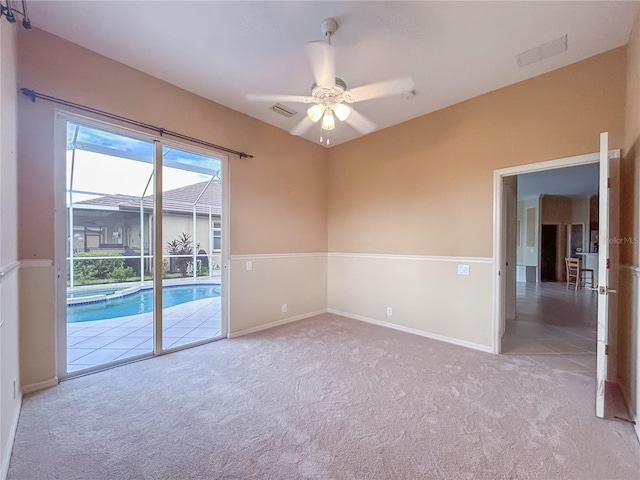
379,89
323,63
301,128
267,97
359,122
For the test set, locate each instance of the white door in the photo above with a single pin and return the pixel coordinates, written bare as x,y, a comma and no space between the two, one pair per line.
607,267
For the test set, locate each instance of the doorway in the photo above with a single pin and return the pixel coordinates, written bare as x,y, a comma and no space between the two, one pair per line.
543,218
141,255
607,254
553,326
549,253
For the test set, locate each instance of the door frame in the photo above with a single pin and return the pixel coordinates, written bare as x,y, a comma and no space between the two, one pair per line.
499,243
61,117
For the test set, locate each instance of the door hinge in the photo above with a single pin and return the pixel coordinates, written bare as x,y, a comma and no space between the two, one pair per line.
606,349
608,182
607,263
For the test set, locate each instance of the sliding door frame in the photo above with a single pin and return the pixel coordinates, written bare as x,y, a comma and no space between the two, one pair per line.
61,117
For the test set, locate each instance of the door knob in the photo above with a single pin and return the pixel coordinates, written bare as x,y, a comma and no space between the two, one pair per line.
606,290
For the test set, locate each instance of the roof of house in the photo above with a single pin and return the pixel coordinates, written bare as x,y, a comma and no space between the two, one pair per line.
179,200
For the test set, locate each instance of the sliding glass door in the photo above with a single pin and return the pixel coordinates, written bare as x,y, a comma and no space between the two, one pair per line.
107,277
191,209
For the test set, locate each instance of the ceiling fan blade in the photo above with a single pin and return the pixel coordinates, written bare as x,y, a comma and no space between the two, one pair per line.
301,128
379,89
359,122
323,63
267,97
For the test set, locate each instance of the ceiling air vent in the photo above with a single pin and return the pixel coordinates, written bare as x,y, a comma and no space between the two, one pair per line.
282,110
543,51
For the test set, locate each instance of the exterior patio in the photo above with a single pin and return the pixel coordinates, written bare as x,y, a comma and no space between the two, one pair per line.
101,341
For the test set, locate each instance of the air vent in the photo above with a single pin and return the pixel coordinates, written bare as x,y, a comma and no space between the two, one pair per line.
282,110
543,51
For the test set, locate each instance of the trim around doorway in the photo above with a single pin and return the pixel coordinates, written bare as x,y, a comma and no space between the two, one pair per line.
499,246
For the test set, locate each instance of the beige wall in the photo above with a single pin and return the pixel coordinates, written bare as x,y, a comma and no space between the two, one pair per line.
555,209
298,280
418,195
629,297
9,365
425,187
277,199
418,291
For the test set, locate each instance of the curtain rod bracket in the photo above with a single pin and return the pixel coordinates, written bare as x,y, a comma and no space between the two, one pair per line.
29,93
10,13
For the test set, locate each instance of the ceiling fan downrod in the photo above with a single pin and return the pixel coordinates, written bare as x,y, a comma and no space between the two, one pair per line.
328,27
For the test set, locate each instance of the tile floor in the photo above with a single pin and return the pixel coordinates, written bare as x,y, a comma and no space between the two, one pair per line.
97,342
555,327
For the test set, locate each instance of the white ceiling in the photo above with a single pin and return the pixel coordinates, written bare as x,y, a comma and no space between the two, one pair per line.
223,50
581,180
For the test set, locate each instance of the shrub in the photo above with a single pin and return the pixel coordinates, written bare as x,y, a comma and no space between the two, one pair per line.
85,269
181,246
203,270
120,274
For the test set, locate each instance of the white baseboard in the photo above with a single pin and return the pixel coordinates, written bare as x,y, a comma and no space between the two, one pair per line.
34,387
422,333
275,324
6,457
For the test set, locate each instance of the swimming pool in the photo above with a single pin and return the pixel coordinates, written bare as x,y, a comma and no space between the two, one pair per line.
139,302
89,293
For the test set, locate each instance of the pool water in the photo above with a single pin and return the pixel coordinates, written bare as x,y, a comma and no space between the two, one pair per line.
139,302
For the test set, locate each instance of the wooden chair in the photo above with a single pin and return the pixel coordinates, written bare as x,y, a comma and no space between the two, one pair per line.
573,271
583,276
577,275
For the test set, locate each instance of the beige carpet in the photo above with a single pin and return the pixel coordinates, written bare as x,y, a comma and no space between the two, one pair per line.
326,398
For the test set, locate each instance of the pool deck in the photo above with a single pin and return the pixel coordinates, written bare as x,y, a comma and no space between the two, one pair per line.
102,341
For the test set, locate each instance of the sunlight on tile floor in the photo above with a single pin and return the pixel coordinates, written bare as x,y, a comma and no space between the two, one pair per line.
555,327
102,341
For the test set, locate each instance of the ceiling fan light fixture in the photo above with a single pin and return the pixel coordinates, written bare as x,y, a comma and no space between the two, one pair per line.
328,122
342,111
315,112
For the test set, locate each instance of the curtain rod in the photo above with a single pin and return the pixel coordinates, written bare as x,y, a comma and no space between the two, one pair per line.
32,94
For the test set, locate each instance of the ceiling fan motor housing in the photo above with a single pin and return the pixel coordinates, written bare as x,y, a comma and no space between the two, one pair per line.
329,95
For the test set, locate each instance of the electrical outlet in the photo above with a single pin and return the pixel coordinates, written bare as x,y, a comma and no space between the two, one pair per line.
249,265
284,308
389,311
463,269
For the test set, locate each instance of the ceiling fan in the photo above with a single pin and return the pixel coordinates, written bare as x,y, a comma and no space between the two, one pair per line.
330,94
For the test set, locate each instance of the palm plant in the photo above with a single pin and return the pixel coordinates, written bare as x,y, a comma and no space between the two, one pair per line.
181,246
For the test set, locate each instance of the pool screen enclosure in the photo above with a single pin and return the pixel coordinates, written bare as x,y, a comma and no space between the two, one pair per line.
113,244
